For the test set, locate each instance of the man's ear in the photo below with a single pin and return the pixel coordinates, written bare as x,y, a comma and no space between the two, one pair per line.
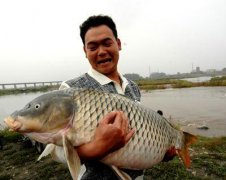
84,49
119,44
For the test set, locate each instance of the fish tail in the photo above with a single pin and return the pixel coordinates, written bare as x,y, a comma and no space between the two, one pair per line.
170,154
184,152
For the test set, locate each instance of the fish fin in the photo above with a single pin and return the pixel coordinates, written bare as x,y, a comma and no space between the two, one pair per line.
121,174
73,160
58,155
48,150
183,153
170,154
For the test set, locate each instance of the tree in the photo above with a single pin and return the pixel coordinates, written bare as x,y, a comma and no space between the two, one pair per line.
133,76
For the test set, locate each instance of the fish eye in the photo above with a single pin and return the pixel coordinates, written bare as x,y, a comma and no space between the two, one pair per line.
37,106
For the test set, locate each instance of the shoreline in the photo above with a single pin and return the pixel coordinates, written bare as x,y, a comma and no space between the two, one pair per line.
144,85
209,129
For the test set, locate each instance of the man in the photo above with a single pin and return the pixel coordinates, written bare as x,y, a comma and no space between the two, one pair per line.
101,47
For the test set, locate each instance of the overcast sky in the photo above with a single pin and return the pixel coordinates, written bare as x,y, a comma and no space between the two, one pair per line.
39,40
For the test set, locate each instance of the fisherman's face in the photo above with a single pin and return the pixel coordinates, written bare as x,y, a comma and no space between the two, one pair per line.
102,49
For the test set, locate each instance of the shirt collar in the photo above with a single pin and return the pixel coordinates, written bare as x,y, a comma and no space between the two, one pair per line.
102,79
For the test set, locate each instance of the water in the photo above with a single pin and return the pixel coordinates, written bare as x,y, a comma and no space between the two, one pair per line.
190,107
198,79
10,103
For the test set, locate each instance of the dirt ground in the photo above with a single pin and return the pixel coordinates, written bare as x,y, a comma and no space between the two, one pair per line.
18,161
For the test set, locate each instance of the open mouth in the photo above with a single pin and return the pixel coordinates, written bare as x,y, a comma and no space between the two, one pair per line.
104,61
13,124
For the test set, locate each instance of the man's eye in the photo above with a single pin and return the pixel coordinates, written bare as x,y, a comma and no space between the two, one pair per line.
107,43
92,47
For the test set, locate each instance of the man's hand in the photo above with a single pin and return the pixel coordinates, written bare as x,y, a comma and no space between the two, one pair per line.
111,134
113,130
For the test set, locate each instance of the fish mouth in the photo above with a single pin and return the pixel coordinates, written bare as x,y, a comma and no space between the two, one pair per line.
104,61
13,124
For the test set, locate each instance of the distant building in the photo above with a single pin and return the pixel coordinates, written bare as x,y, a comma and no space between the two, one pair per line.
211,70
198,69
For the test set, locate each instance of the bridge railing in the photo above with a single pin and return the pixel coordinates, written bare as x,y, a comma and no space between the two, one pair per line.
27,85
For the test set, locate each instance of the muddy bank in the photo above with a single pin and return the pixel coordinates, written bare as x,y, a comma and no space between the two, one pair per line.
18,161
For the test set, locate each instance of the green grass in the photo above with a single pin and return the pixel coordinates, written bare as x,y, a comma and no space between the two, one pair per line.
217,144
164,83
10,136
182,84
169,170
208,156
218,81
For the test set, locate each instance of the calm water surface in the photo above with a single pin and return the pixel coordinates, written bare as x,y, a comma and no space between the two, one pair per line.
189,107
10,103
192,108
198,79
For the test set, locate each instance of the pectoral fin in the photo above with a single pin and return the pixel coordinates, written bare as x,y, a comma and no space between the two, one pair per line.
121,174
58,155
73,160
48,150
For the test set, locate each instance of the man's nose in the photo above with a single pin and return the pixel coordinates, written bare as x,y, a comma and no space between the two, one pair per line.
102,51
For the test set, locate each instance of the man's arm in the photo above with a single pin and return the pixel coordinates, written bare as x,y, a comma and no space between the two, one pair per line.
111,134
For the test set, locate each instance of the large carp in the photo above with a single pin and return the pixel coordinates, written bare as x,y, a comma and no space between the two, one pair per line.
68,118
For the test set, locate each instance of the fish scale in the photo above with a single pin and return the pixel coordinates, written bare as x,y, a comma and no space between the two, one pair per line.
146,123
79,110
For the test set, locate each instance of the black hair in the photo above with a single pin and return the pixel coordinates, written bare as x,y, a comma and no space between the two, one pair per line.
97,20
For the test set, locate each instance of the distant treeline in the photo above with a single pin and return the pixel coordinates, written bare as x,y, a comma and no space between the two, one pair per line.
149,84
161,75
28,90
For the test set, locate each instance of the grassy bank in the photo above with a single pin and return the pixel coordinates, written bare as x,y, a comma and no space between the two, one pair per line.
18,161
28,90
149,84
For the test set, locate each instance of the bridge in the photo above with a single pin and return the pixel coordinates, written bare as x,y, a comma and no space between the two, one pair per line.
27,85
